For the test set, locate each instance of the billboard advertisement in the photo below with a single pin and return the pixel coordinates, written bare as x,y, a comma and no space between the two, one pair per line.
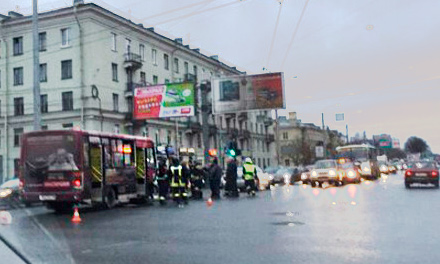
165,100
237,93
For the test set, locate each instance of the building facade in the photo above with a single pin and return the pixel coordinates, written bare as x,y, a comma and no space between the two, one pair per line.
90,62
303,143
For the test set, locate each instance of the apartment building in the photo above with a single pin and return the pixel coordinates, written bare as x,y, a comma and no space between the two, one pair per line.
90,62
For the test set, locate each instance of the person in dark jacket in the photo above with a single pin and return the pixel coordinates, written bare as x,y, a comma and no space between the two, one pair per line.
197,175
231,188
215,176
163,181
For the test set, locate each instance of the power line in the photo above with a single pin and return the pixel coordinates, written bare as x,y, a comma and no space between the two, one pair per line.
274,35
176,9
200,12
294,34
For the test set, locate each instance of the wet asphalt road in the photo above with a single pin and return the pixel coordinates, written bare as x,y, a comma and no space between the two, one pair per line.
374,222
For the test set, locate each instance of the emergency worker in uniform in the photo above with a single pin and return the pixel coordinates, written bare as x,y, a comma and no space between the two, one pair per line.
249,176
197,175
163,181
178,181
215,176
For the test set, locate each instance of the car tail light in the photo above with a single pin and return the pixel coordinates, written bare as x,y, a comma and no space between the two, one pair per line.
434,173
77,183
408,173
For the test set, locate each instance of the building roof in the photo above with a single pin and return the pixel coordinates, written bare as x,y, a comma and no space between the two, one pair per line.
212,59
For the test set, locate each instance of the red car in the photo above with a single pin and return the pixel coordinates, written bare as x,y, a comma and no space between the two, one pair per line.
422,172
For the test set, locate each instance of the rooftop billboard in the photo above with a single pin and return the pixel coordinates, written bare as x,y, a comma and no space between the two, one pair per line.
238,93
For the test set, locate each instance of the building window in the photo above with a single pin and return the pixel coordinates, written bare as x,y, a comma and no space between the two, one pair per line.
113,41
176,65
115,72
143,78
44,127
142,51
17,136
67,101
287,162
127,45
65,38
154,56
185,67
155,79
67,125
18,106
195,70
167,81
285,135
43,72
115,102
166,62
18,76
42,43
43,103
18,45
66,69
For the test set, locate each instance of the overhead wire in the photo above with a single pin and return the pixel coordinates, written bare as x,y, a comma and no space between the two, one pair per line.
294,34
274,35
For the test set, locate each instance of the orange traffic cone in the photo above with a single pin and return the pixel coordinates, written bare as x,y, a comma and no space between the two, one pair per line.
76,218
209,202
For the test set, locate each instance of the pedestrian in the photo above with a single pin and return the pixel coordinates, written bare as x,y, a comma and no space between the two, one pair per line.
178,184
215,176
163,181
231,188
249,176
197,175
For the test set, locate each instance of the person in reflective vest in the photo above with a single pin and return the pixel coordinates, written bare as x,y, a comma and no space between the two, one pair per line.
249,176
178,181
163,181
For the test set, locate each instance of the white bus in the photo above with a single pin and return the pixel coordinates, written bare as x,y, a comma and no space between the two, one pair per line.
364,156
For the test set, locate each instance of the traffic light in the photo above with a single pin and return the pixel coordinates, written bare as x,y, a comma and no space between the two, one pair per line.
212,152
232,149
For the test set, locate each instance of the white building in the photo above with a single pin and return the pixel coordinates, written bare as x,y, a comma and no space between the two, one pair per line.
87,46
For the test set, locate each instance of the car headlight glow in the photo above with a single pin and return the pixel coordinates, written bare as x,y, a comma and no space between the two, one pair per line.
270,177
314,174
366,169
383,168
351,174
331,173
4,193
303,176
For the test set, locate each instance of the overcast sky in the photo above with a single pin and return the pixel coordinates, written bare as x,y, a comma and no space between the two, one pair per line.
377,61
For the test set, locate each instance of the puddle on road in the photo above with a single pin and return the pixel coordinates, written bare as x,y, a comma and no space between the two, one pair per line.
287,223
288,213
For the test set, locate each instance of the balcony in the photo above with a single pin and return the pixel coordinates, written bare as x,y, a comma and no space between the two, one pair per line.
244,134
130,86
188,77
233,133
242,116
270,138
132,61
268,122
193,128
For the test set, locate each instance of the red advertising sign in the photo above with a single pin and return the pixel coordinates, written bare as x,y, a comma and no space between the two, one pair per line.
248,92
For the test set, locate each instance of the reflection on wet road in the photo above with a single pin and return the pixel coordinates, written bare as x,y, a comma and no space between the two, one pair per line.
372,222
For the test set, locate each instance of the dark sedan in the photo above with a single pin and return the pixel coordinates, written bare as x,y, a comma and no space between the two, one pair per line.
424,172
